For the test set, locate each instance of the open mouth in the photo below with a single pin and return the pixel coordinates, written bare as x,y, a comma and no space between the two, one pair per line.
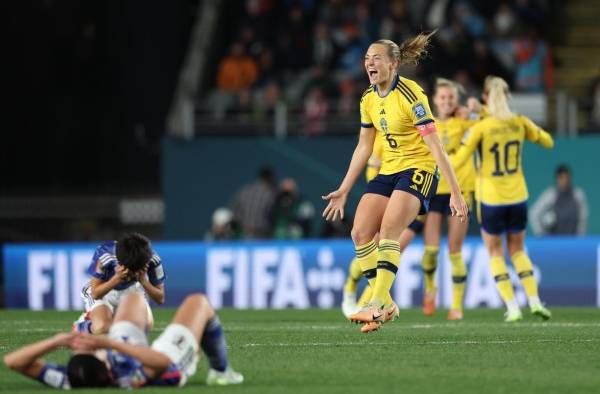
372,73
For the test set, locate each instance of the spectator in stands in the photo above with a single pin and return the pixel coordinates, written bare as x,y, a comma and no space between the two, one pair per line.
346,105
292,215
236,71
561,209
266,101
323,47
535,71
252,205
316,109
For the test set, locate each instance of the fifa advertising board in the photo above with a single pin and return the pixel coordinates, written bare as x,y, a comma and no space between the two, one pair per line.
299,274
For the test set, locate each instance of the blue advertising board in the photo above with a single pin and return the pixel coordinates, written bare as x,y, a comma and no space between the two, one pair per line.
299,274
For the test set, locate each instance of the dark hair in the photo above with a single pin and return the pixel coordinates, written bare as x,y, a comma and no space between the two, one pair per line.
266,174
85,370
562,169
133,251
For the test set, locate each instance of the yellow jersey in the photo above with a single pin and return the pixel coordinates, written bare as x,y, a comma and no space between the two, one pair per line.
374,162
500,145
395,116
451,132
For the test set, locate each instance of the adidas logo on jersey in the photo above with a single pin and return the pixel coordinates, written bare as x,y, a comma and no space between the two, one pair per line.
414,187
382,112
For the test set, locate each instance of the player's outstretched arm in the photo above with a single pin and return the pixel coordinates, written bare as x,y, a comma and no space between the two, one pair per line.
26,360
458,205
360,157
155,361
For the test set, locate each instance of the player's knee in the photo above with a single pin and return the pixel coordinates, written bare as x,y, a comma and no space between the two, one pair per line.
101,326
198,299
360,236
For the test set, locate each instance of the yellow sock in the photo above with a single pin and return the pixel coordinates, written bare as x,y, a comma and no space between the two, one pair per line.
354,275
459,277
429,264
524,268
502,279
387,266
365,297
366,255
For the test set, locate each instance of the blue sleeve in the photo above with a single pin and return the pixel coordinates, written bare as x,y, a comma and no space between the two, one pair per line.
105,257
156,272
55,376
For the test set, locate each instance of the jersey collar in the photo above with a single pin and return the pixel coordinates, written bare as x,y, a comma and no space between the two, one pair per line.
392,87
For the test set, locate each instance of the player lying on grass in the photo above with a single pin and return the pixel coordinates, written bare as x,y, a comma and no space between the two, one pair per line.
128,265
124,359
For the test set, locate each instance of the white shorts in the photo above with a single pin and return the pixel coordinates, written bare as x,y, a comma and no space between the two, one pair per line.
126,331
179,344
111,299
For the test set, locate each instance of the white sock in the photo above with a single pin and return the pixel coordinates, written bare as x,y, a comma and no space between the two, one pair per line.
513,306
534,301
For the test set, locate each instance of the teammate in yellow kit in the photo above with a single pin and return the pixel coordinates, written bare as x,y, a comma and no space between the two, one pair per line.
349,303
451,129
397,108
503,192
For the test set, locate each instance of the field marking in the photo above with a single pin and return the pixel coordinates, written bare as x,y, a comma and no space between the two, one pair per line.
260,326
418,343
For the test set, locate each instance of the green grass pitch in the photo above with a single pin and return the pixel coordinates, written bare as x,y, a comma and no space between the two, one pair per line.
317,351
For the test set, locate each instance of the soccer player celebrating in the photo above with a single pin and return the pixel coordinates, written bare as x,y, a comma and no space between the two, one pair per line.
503,193
128,265
451,129
124,359
349,304
397,108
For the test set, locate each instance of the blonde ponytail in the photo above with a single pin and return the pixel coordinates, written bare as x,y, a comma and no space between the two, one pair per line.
410,51
497,92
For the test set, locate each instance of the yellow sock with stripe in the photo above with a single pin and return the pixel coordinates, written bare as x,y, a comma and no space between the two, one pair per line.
387,266
366,255
354,275
503,284
524,269
459,277
429,264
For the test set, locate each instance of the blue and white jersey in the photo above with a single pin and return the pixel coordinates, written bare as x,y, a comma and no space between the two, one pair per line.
128,372
54,375
104,264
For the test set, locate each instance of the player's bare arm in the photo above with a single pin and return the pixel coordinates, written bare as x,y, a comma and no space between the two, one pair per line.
154,362
360,157
27,361
100,288
157,293
458,204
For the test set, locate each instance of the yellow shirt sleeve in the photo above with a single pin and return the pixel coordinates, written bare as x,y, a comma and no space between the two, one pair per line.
365,118
420,111
536,134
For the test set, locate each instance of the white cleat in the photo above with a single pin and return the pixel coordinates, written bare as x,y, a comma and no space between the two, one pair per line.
225,378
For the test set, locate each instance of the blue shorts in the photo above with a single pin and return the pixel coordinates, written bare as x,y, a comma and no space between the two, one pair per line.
440,203
417,225
498,219
419,183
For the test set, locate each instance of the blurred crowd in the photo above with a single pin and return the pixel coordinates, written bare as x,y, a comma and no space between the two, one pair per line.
264,209
309,54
